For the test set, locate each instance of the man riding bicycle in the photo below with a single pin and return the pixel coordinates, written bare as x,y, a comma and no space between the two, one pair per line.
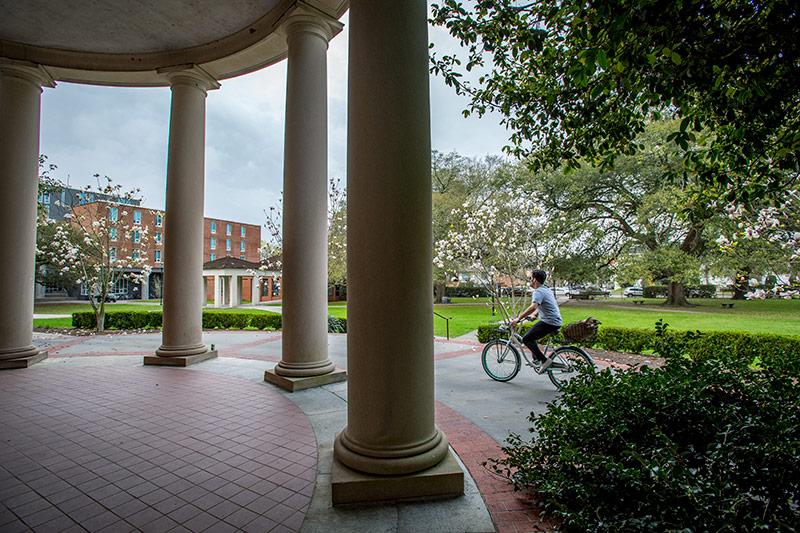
545,306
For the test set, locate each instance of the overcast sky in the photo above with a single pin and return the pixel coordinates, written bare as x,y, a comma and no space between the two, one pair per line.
122,133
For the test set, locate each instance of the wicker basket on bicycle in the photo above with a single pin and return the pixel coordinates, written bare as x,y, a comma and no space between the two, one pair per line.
581,331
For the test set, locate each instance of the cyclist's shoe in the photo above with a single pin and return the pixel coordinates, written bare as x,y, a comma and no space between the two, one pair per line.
545,364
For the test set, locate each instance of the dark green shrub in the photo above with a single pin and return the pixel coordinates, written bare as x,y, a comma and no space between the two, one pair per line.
655,291
119,320
631,340
778,352
467,292
698,445
266,321
84,320
337,325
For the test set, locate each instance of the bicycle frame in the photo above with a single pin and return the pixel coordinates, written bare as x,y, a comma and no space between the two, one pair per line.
516,340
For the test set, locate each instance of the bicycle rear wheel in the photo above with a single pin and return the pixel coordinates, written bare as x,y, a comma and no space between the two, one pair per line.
501,360
567,362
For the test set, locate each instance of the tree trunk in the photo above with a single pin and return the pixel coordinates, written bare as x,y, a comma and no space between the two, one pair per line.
438,291
101,317
676,295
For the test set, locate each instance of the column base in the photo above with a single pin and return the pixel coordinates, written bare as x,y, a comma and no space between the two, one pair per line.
23,362
182,360
348,487
292,384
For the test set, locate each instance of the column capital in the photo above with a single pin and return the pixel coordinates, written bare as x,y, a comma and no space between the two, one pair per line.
307,19
191,75
30,72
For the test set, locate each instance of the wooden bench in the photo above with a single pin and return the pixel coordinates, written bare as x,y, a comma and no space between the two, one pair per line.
728,306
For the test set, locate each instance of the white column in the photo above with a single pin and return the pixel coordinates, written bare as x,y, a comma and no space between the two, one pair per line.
390,410
182,334
305,200
236,290
20,107
217,291
255,290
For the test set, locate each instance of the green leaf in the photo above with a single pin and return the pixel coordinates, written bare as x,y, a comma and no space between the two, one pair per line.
601,59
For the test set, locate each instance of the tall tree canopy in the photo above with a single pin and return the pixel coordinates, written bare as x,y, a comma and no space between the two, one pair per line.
578,81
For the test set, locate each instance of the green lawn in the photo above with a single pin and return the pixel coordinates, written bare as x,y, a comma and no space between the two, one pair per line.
780,317
68,309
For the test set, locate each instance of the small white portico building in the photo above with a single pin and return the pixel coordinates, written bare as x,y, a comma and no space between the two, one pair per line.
390,447
230,277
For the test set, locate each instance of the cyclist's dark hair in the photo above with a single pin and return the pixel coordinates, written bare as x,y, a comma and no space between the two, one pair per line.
539,275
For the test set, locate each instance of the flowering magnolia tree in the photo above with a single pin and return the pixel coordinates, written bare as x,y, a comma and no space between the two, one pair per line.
99,245
777,226
337,235
498,240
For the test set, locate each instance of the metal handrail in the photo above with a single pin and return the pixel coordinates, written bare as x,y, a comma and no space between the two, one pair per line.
446,323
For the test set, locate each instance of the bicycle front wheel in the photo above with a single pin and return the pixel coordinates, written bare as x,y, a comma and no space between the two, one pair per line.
501,360
567,363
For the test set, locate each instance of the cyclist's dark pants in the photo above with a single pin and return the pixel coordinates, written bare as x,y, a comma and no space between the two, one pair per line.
539,330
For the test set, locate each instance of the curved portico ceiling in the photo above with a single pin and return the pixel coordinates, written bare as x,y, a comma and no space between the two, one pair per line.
120,42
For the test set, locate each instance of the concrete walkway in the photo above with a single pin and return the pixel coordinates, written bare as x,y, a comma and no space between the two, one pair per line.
476,413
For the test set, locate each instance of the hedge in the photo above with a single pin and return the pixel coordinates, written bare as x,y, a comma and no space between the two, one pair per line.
466,292
211,320
153,319
781,353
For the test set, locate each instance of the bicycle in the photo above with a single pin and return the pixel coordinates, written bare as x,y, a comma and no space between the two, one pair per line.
502,361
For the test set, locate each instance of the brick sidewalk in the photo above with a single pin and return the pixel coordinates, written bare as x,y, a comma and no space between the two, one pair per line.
104,448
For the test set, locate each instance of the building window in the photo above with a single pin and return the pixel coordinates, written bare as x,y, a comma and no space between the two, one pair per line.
135,255
228,245
227,229
213,243
243,231
137,236
113,214
158,237
113,234
159,220
241,257
213,257
158,256
137,217
241,246
112,254
46,198
213,227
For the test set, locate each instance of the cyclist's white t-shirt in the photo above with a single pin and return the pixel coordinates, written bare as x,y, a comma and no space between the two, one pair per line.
548,308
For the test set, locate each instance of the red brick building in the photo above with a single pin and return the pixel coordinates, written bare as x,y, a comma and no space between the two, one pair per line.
221,238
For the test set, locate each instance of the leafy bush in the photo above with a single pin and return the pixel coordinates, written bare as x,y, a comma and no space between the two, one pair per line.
266,321
466,292
654,291
337,325
777,352
697,445
153,319
119,320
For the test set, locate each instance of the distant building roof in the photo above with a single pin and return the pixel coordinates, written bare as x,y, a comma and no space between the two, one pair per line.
226,263
230,262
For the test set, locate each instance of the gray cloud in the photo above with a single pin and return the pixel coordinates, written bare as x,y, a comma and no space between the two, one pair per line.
122,132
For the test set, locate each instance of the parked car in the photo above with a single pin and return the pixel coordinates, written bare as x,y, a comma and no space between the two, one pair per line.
561,291
110,297
633,292
586,292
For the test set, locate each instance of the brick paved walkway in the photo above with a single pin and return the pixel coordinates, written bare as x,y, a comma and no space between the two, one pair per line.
102,448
